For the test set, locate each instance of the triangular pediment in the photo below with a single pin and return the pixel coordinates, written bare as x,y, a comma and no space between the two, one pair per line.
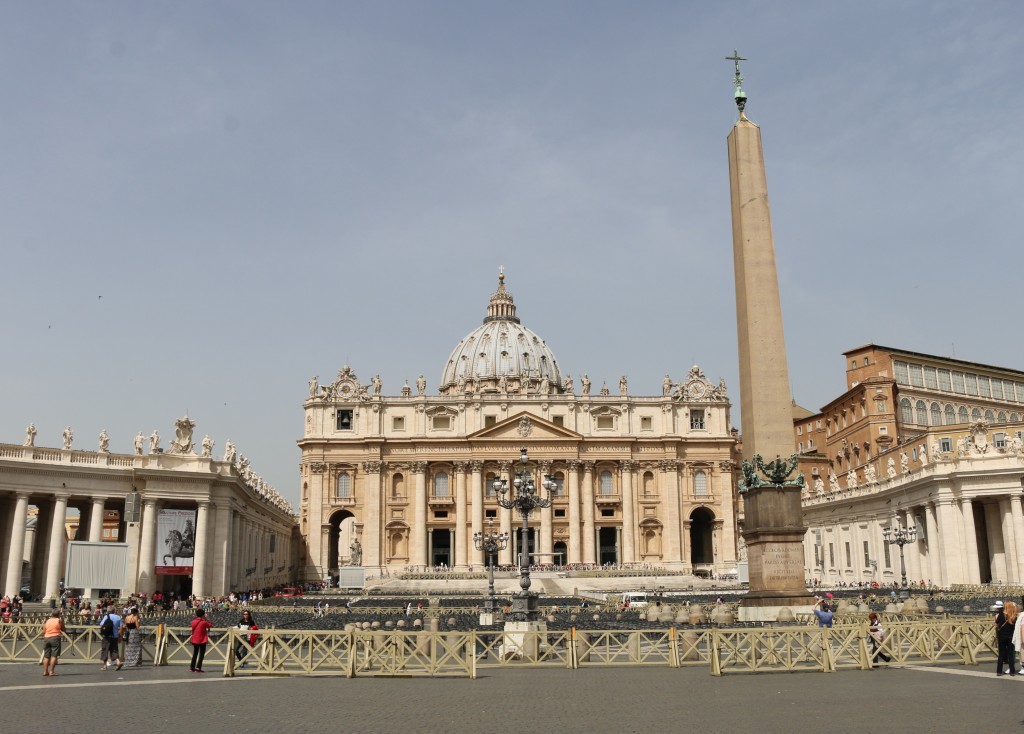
526,427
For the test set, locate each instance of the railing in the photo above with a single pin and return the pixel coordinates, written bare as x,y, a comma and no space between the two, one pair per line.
429,653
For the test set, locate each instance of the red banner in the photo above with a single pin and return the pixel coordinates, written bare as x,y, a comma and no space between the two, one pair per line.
173,570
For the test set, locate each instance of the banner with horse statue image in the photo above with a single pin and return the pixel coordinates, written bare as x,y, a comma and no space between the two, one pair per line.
176,530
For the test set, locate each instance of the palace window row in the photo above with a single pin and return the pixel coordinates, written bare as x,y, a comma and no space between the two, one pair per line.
922,414
955,381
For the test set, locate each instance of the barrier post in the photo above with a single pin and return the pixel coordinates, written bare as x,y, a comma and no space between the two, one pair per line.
828,665
716,664
673,648
229,654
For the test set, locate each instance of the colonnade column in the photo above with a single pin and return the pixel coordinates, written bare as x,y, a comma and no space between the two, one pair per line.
418,531
1009,542
146,581
573,467
1018,532
544,547
222,548
200,559
949,531
461,526
58,536
627,552
589,544
16,550
477,492
236,547
996,548
506,556
973,567
934,548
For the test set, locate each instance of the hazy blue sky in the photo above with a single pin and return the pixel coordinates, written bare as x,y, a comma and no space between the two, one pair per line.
205,204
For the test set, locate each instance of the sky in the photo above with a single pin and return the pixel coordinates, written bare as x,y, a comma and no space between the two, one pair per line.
202,205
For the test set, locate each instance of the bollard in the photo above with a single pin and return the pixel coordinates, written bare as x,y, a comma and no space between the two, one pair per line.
690,640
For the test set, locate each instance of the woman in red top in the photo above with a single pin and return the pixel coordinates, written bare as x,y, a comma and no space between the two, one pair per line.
200,636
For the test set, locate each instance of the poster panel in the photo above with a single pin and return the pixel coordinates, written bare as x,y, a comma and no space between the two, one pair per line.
176,542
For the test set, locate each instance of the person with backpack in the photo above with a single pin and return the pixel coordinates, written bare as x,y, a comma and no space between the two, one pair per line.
110,638
200,637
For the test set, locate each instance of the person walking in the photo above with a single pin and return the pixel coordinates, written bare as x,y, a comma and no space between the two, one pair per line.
53,628
133,638
1006,619
110,636
245,623
200,637
877,634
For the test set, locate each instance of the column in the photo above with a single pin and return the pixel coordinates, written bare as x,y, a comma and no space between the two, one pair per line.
545,541
201,555
672,550
949,532
6,518
236,549
934,548
573,551
147,548
996,547
58,537
1018,532
418,530
1009,542
460,535
40,544
222,539
627,541
16,550
372,540
589,544
477,491
972,563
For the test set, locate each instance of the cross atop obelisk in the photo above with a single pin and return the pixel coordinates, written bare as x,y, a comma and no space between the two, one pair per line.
741,96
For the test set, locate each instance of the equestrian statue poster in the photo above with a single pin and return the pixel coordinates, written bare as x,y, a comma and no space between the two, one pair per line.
176,530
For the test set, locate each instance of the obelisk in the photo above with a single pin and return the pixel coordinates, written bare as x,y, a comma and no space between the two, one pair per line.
773,524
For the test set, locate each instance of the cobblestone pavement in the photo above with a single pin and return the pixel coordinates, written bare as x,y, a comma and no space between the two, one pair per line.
619,700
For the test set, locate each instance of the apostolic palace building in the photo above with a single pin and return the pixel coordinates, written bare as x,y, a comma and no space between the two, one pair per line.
391,482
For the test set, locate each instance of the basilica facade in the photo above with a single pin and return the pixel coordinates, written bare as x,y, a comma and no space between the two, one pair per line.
393,482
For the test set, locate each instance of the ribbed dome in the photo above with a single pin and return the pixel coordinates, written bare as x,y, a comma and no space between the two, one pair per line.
501,355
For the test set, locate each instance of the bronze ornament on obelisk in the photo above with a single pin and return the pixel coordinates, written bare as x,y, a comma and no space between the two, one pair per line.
773,523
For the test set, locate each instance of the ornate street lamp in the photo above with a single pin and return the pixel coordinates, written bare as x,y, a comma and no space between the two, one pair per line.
526,499
490,543
900,536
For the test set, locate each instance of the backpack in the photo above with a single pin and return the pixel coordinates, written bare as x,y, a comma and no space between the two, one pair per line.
107,627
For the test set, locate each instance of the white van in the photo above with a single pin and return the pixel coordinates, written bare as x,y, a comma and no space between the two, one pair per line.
634,599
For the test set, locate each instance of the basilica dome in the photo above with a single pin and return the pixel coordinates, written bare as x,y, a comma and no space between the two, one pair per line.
501,355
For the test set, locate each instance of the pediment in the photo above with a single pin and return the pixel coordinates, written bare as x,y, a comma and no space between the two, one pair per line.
525,426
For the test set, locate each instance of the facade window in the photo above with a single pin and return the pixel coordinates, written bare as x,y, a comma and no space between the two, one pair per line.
950,415
490,420
853,364
441,514
489,486
343,420
958,382
700,483
799,430
696,420
922,413
800,446
849,557
997,389
972,384
645,423
344,488
888,558
902,377
441,485
490,514
398,423
1000,440
936,415
558,420
906,412
975,415
441,422
867,556
559,512
810,444
984,387
1013,417
916,376
882,430
607,512
605,422
605,487
962,414
945,381
930,379
559,479
1001,417
831,556
990,416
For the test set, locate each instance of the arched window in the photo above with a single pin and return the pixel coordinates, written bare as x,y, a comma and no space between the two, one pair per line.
975,415
700,483
936,415
1013,417
922,413
990,416
605,484
489,485
649,483
906,412
397,485
441,485
1002,417
963,415
950,415
559,478
344,485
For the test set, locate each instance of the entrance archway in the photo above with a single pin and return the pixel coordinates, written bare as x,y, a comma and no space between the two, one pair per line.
340,539
559,551
701,542
608,550
441,547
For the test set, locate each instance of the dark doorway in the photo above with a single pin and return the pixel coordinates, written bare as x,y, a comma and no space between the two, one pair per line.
441,547
559,552
607,552
338,519
701,544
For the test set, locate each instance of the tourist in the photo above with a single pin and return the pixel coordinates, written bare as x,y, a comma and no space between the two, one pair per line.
133,638
823,613
110,634
1006,618
53,628
200,637
1017,634
877,633
245,623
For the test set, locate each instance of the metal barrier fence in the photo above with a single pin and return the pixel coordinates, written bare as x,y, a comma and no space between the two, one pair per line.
354,653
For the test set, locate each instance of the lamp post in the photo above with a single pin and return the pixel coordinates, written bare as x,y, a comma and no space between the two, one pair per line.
525,500
900,536
490,543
